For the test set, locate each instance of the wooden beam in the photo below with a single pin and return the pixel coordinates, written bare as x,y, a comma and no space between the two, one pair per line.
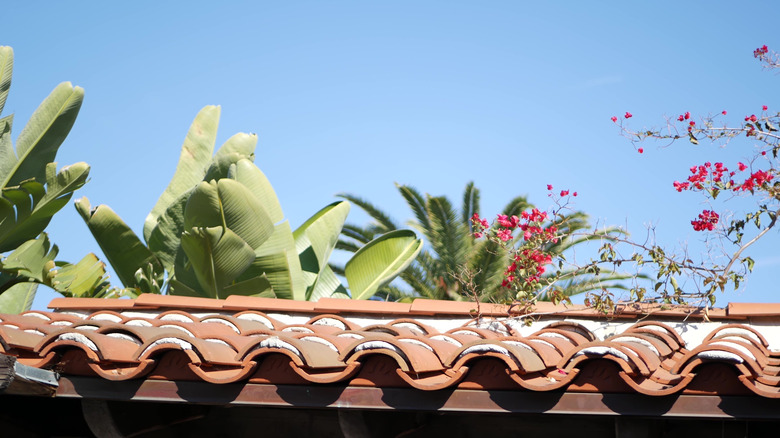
16,378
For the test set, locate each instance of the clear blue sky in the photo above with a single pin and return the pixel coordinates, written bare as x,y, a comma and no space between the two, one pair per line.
354,96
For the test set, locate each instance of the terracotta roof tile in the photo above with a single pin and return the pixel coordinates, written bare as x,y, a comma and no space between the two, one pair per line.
427,345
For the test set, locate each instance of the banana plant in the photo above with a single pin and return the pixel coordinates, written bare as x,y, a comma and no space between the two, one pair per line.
218,229
32,190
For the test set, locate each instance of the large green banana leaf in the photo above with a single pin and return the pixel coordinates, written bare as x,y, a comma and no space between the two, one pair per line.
316,238
245,172
33,259
381,260
121,246
193,162
6,71
257,286
87,278
218,256
18,298
327,285
239,146
7,154
165,240
44,133
277,260
230,204
26,209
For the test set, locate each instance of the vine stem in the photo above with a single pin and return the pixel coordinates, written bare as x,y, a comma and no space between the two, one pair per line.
752,241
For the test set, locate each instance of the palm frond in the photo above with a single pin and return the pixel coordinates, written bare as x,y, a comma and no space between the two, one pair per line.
362,235
395,294
470,204
378,215
418,280
338,270
417,203
486,265
449,238
517,206
346,245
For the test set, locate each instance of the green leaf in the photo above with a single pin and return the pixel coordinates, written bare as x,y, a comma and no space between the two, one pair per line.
418,205
35,206
218,256
230,204
255,180
238,147
179,288
203,208
316,238
7,154
381,260
32,259
165,240
194,160
18,298
327,285
278,261
121,246
6,71
449,238
382,219
470,203
40,139
256,287
87,278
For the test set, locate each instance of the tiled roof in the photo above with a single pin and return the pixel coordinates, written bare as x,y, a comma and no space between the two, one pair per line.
426,345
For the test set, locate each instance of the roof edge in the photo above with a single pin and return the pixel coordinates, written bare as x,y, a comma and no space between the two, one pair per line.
419,307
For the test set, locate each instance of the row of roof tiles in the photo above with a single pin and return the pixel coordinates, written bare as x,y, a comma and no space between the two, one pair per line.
648,357
417,307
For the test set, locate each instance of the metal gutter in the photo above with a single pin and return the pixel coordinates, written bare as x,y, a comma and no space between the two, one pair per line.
458,400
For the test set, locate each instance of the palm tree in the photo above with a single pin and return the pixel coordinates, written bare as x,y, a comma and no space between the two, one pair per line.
455,266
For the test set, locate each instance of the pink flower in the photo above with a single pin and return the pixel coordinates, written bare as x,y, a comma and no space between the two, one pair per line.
687,115
614,119
504,235
641,150
723,112
549,187
764,107
681,118
574,194
742,167
628,115
763,152
681,186
707,221
564,193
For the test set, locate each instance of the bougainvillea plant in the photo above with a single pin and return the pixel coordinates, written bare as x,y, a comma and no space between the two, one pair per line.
533,272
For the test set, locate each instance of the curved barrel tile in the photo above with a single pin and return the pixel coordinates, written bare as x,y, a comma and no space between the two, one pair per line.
257,316
519,357
333,321
238,325
572,327
415,326
628,360
412,354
